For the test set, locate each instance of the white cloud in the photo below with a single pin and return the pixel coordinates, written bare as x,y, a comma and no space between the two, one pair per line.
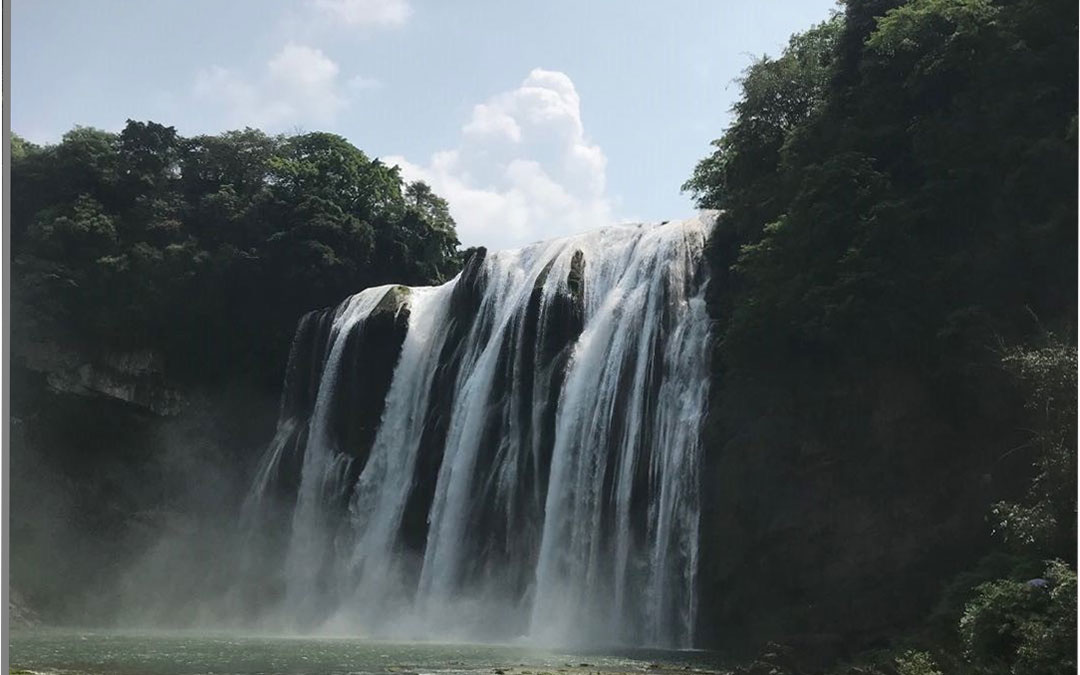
489,120
300,84
366,13
524,169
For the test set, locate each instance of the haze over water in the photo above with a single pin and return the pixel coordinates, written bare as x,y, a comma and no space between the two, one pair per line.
184,653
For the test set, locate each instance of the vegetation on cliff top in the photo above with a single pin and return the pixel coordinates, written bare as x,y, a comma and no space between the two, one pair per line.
209,248
902,183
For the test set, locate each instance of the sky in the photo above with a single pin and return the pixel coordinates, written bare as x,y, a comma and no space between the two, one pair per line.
533,119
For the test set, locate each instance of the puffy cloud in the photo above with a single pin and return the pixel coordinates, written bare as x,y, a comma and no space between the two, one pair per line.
300,84
524,169
366,13
489,120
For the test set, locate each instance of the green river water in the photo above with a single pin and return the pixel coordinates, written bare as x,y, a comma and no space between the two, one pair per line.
154,653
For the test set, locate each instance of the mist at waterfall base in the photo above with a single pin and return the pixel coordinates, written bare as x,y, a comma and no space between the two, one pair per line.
511,456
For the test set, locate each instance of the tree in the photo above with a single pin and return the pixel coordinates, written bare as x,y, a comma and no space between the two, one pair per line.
1044,521
1023,627
741,177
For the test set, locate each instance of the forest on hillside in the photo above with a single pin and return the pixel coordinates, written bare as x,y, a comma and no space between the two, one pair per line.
898,192
890,451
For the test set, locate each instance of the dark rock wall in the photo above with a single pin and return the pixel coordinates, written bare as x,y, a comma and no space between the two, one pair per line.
369,354
464,305
837,504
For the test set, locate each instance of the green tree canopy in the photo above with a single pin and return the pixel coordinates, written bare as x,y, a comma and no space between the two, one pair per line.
210,247
901,181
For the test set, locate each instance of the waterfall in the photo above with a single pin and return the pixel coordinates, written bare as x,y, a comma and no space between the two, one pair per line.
512,454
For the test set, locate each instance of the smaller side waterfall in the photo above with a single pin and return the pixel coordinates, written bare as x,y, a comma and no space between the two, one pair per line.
514,453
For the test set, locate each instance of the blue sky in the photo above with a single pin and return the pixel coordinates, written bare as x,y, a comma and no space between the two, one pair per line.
534,119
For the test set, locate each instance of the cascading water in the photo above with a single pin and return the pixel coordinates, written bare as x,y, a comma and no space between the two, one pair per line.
513,453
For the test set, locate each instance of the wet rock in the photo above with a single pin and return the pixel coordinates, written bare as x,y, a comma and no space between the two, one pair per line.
464,305
369,357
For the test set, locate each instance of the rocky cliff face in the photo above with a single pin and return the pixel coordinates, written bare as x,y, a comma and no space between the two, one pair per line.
135,378
108,456
370,352
838,504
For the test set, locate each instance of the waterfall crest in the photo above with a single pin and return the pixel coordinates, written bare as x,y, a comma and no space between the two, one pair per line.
513,453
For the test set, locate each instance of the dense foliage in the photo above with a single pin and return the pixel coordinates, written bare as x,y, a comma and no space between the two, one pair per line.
208,248
1023,627
898,192
903,186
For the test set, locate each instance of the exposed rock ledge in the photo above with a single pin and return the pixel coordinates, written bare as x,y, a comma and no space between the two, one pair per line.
134,377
